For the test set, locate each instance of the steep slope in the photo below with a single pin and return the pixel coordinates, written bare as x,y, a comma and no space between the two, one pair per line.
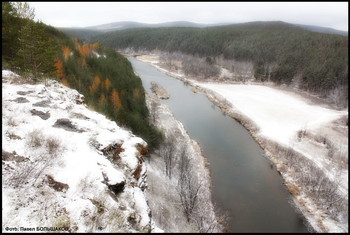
65,167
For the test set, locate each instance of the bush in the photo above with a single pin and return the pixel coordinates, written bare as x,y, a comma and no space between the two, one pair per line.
35,139
53,145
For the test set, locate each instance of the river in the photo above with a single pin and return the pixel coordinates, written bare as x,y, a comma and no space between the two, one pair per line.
244,185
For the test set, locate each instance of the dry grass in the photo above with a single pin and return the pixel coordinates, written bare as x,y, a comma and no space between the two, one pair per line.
35,139
53,145
293,189
12,121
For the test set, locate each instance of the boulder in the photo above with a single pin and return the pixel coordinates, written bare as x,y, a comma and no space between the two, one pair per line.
21,100
67,125
58,186
42,115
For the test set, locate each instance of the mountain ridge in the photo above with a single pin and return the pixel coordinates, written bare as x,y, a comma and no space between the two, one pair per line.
121,25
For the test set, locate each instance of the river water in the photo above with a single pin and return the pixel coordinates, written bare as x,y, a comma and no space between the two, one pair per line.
244,185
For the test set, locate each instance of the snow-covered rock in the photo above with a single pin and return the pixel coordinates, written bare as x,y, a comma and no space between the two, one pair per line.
56,176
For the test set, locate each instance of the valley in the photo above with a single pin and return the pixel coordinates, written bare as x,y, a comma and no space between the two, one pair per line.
287,125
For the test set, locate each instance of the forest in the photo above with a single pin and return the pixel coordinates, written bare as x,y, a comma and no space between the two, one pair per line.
103,76
280,52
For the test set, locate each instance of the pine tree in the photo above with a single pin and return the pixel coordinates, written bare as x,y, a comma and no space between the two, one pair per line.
36,51
11,25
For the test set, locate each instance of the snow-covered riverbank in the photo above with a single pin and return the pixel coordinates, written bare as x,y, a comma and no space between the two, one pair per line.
283,122
165,185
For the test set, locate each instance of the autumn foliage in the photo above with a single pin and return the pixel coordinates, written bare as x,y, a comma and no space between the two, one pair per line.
95,85
116,99
108,84
59,68
85,50
66,52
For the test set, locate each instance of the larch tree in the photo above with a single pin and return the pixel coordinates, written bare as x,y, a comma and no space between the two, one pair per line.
66,52
95,85
116,99
107,84
59,68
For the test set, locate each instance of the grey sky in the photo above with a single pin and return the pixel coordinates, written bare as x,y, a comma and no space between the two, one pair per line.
82,14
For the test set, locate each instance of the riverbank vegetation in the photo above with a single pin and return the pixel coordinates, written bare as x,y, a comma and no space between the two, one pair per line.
279,52
104,77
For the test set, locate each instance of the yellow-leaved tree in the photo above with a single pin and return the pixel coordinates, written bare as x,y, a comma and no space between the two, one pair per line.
59,68
66,52
95,85
116,99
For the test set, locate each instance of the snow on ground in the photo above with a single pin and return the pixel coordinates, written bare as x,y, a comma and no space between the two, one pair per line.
278,115
58,176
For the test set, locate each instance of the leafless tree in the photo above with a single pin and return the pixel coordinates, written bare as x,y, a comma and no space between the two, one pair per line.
188,187
153,111
167,151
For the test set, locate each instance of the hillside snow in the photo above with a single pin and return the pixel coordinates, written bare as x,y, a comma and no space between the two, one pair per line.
66,166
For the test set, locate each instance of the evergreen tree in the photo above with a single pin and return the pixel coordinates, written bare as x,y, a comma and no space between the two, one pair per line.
10,33
36,51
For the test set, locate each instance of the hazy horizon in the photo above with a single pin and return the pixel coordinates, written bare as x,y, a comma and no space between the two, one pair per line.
81,14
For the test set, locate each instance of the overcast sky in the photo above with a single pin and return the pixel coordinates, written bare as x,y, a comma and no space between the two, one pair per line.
83,14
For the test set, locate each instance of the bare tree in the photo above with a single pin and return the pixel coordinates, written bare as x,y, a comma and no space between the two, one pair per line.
167,152
188,187
153,111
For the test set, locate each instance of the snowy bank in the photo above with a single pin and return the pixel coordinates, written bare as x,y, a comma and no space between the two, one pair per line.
66,166
164,173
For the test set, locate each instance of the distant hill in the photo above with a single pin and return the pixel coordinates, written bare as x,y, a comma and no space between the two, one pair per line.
85,33
279,51
81,33
319,29
131,24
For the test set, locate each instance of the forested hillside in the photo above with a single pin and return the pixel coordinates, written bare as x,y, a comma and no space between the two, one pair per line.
279,52
104,77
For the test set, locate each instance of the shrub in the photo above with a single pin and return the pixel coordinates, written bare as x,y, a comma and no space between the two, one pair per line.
12,122
35,139
53,145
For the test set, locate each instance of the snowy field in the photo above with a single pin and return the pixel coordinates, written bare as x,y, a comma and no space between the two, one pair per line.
278,115
55,174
